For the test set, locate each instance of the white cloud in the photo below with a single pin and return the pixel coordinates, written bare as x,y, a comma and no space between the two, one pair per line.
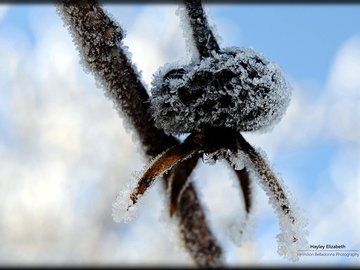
333,118
156,43
68,158
344,92
344,75
3,9
339,200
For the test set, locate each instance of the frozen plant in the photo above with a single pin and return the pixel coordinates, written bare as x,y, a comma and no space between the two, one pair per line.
222,92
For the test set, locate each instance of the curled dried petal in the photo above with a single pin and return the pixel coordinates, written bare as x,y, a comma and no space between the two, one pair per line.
163,163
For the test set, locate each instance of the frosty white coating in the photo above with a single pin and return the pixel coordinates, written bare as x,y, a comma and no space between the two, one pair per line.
237,88
293,225
220,94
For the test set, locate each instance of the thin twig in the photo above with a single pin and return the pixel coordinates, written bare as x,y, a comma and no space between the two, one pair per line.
99,40
203,37
197,236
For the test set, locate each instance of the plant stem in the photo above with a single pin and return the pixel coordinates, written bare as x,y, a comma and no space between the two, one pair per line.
203,37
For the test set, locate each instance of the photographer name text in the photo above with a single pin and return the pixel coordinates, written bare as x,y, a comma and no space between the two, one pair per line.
327,246
329,250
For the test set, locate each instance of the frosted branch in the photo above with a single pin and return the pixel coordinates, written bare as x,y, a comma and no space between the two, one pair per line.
203,37
184,203
99,41
197,237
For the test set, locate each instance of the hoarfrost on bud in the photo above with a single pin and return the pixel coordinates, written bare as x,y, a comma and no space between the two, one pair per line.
237,88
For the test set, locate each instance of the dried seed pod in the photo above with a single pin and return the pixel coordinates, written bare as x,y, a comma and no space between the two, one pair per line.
237,88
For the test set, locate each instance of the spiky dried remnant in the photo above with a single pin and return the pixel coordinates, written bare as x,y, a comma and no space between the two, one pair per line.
245,183
185,207
178,180
237,89
224,143
163,163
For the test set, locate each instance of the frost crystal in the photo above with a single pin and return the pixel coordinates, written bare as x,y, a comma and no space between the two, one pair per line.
121,210
236,158
237,88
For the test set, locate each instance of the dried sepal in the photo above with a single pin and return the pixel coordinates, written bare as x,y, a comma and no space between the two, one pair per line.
245,185
166,161
267,176
292,225
185,206
178,180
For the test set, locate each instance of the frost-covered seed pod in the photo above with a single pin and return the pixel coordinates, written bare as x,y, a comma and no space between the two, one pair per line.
237,88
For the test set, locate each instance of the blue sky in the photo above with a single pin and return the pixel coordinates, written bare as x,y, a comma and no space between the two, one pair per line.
302,38
51,111
296,36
